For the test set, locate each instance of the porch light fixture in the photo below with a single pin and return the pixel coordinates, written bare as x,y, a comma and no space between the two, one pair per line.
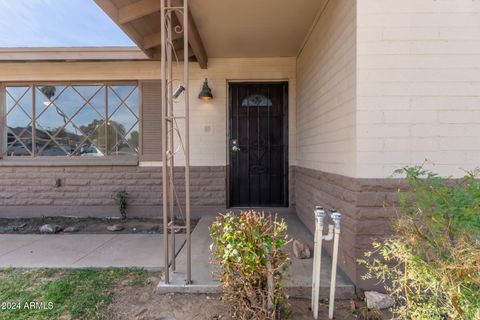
206,93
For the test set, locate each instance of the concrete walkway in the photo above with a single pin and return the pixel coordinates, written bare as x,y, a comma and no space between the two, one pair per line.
83,251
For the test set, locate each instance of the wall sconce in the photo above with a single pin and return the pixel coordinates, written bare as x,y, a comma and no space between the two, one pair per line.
206,93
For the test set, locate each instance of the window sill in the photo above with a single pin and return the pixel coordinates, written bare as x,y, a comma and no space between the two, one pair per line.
67,162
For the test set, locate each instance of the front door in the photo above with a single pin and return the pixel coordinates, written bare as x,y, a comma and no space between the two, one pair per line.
258,149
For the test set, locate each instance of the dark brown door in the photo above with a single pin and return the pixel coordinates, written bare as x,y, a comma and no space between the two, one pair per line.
258,144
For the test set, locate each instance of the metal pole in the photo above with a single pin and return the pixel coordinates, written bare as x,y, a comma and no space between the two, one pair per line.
164,141
187,139
315,253
336,217
317,263
170,132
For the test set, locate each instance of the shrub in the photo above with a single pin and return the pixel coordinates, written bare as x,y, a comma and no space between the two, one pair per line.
249,251
431,265
121,199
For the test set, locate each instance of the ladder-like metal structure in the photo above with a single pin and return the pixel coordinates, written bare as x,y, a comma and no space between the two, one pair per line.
175,139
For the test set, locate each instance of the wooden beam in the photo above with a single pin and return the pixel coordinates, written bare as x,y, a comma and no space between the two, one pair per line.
194,40
155,39
112,11
140,9
178,52
137,10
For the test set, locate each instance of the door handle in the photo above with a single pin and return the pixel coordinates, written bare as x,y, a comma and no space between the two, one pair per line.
235,146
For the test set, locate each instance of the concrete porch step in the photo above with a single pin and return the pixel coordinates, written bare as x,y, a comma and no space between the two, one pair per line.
298,284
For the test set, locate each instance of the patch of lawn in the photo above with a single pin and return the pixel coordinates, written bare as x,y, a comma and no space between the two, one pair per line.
61,294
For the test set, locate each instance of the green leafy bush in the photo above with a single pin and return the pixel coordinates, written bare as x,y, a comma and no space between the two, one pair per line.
431,265
249,250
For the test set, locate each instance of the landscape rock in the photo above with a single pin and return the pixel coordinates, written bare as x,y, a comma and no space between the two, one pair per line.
377,300
115,227
301,250
71,229
14,228
149,230
19,227
50,228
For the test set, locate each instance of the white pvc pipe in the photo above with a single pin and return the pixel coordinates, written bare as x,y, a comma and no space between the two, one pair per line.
336,217
317,234
315,249
317,276
317,259
329,236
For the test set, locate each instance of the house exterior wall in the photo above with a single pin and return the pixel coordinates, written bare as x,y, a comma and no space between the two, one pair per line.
326,81
415,95
208,120
326,124
418,89
378,84
89,189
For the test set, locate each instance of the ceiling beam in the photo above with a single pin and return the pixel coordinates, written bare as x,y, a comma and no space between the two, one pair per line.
178,53
137,10
194,40
155,39
112,11
140,9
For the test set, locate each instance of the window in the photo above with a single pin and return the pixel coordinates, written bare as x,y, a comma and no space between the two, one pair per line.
256,100
74,120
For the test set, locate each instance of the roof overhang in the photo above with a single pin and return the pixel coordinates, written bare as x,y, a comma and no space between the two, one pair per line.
217,29
220,28
140,20
72,54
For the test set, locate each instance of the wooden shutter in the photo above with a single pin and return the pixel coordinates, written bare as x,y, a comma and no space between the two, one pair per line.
151,119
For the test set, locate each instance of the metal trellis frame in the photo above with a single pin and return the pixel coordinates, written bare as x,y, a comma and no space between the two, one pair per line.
172,134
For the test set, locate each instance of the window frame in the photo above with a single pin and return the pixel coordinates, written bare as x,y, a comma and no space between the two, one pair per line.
67,160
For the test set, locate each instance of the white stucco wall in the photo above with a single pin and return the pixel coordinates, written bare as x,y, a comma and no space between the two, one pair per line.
418,91
326,81
208,122
209,148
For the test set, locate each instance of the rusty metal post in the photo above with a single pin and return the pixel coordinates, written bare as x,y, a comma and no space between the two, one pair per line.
187,140
164,106
169,128
170,113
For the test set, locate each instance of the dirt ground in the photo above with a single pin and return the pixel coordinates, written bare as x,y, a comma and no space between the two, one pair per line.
82,225
142,303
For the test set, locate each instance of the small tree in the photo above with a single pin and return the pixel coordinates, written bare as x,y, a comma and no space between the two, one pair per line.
431,265
249,250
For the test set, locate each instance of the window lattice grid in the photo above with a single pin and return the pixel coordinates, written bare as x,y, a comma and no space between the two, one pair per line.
19,131
72,120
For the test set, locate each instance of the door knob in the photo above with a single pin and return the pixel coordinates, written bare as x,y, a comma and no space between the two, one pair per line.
235,146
